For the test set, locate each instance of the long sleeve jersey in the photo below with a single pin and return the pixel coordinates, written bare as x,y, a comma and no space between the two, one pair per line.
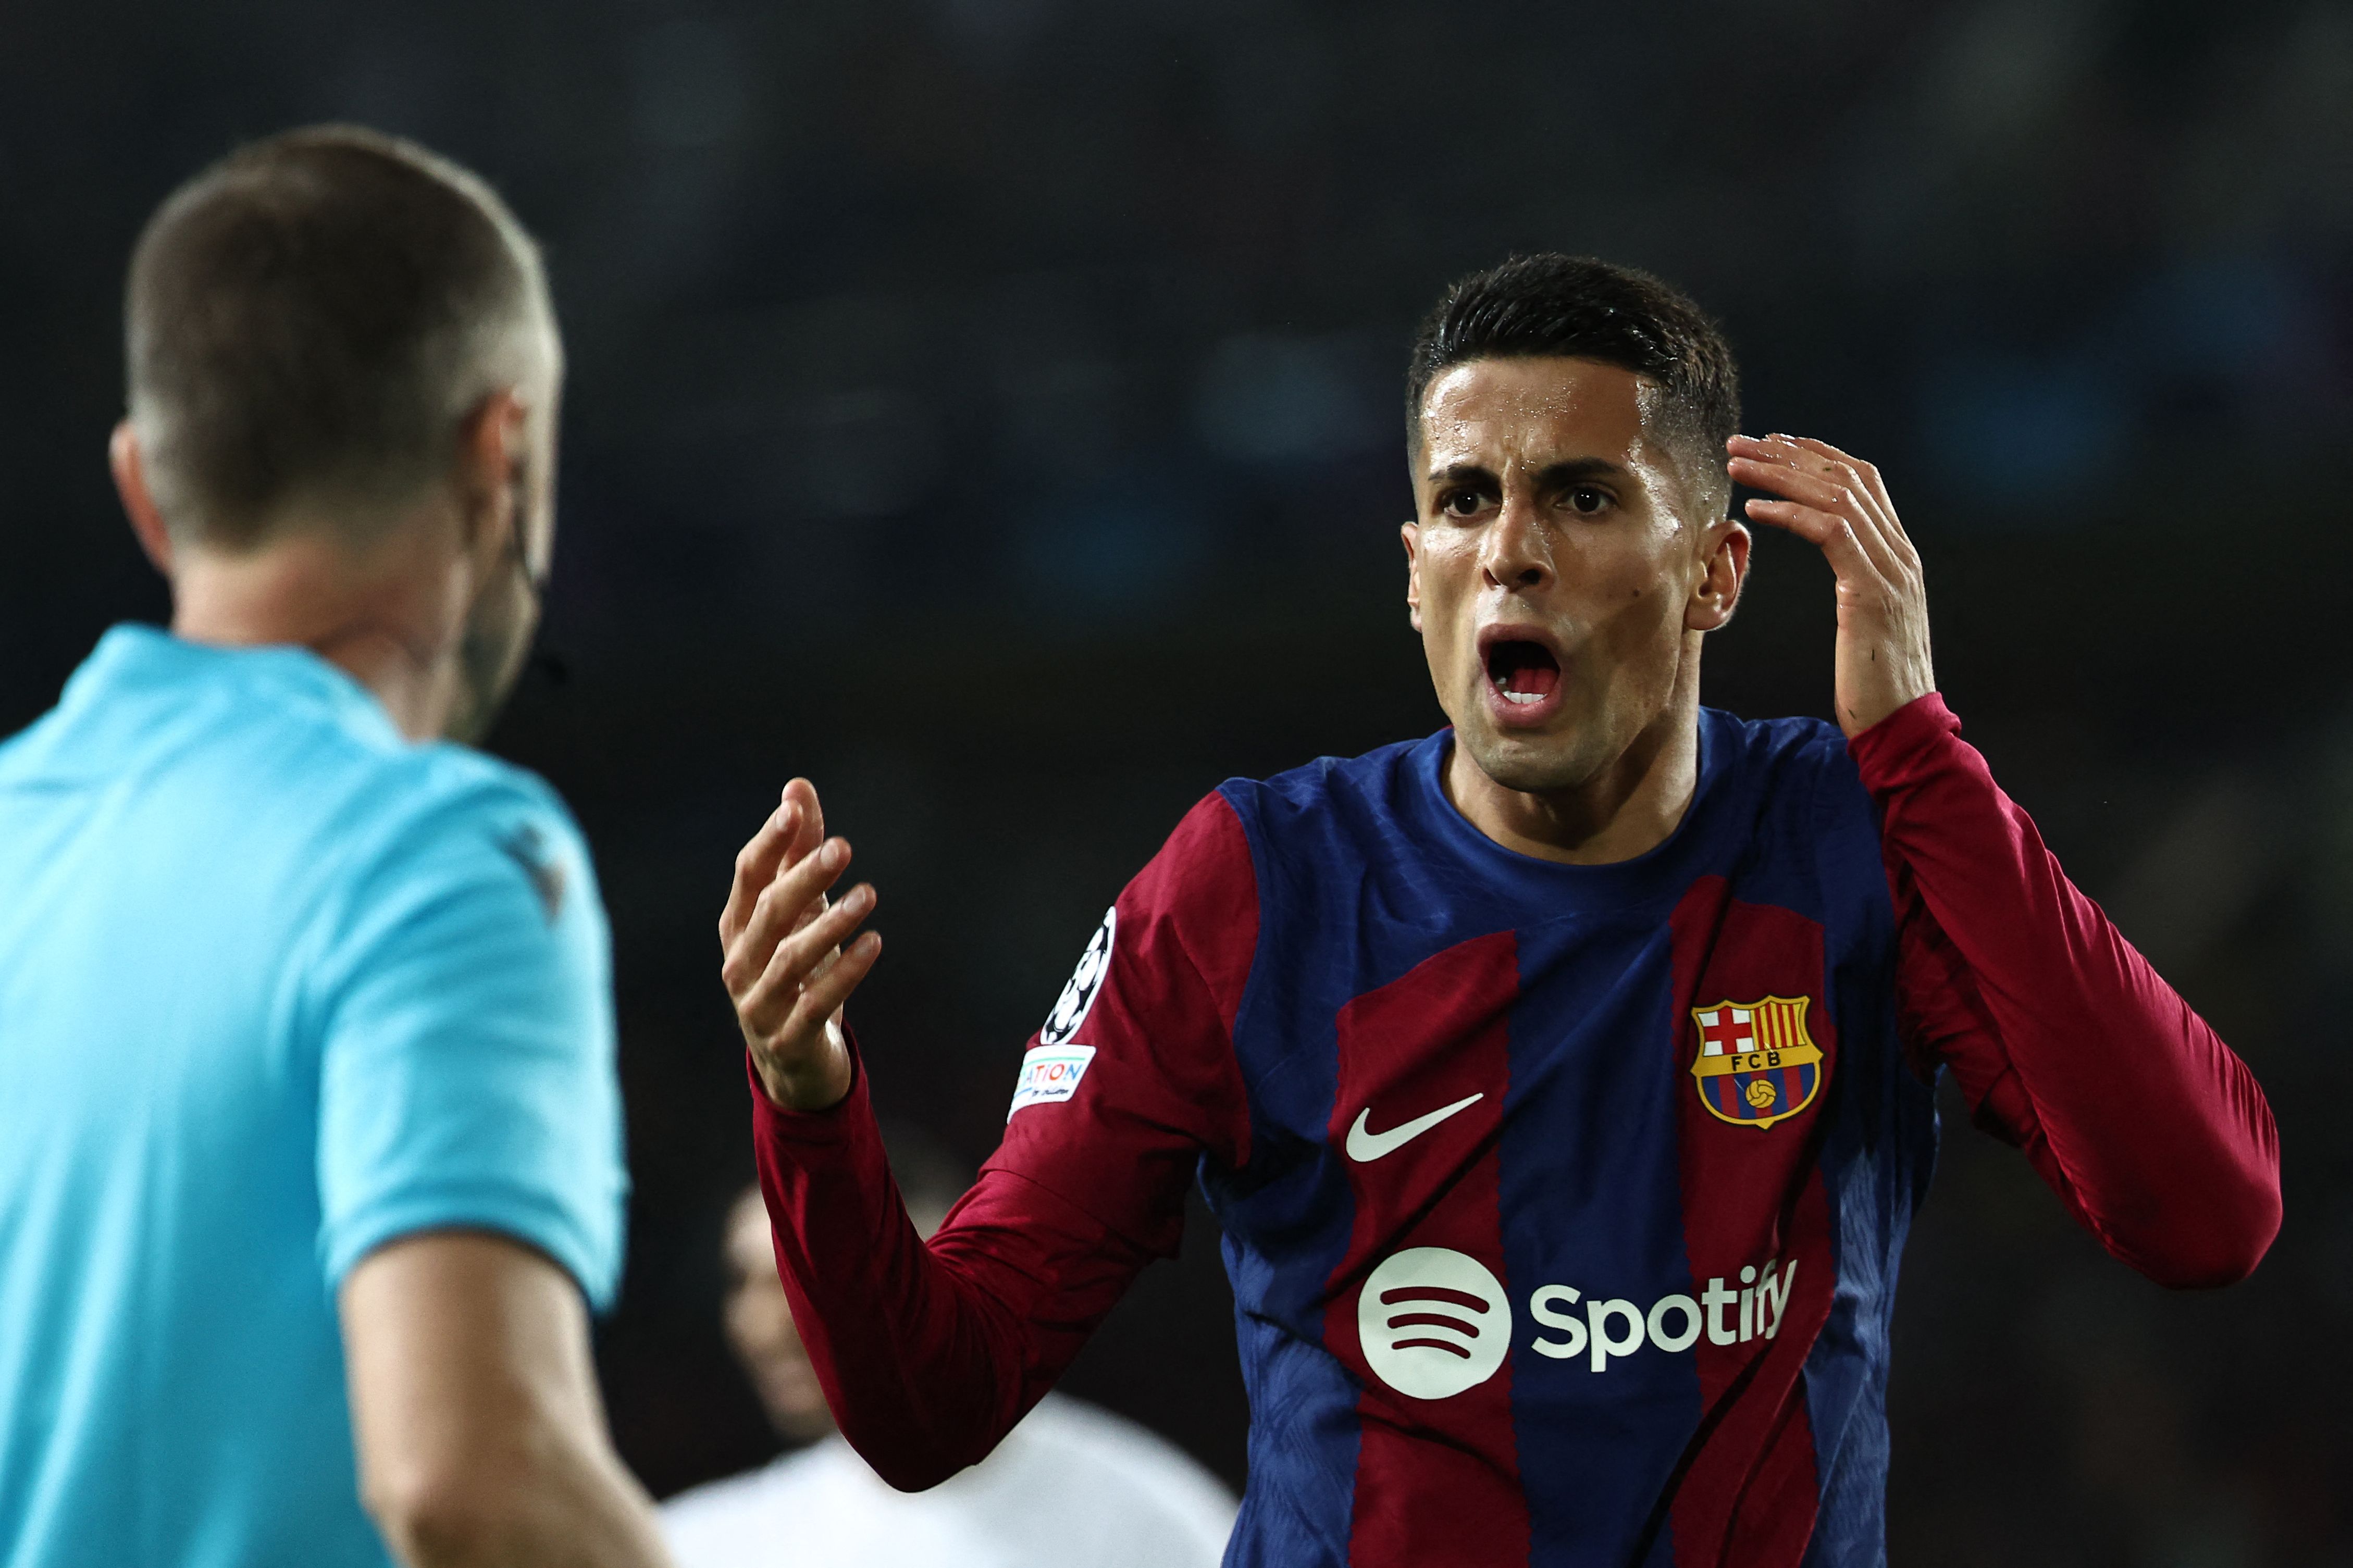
1563,1205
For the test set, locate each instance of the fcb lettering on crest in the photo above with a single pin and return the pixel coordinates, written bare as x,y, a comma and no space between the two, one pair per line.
1757,1065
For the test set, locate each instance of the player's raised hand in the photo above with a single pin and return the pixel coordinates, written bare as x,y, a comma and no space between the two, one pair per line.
1841,504
784,964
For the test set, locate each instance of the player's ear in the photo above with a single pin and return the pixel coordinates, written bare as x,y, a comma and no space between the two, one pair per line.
1410,532
130,468
1724,568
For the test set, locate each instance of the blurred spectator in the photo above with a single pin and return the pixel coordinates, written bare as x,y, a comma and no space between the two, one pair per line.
1072,1487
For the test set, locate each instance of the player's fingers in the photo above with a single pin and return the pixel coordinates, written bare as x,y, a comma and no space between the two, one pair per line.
808,835
808,912
781,908
801,955
804,959
824,996
1824,486
1873,482
755,867
1833,532
1823,490
1804,455
1828,453
801,794
1873,512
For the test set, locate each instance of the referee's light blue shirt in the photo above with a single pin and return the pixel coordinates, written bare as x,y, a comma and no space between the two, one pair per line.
277,986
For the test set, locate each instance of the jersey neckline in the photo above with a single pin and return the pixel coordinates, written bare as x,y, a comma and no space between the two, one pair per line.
1662,869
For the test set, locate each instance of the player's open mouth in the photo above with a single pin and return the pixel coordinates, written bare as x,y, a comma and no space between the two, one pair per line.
1524,677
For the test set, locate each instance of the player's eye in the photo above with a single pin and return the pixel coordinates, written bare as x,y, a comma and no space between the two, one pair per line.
1585,501
1463,503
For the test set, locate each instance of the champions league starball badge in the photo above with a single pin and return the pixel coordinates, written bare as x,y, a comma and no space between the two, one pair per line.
1079,995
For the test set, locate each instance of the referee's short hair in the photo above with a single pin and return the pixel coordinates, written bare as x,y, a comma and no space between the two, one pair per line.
309,321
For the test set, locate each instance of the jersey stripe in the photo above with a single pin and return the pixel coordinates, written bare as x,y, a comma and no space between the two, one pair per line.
1746,1489
1437,1479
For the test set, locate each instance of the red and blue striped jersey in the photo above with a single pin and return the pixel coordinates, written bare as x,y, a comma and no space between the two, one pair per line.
1563,1205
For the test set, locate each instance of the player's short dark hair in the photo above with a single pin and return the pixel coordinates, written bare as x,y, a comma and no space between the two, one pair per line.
312,319
1579,308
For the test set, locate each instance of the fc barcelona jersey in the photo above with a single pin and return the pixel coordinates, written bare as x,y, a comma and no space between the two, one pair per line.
1562,1203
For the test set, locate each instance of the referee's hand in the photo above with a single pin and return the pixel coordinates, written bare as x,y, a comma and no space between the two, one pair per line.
785,966
1841,504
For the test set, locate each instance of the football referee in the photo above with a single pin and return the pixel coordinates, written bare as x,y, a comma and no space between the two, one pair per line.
309,1147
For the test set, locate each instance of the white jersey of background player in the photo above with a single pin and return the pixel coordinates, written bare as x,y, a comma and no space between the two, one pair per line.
1072,1487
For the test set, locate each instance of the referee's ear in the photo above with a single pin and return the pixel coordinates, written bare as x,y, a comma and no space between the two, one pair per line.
138,501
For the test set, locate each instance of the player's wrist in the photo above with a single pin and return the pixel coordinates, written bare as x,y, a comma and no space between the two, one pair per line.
817,1084
805,1091
1903,680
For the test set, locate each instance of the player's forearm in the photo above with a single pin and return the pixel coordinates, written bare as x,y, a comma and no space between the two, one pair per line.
2158,1132
922,1371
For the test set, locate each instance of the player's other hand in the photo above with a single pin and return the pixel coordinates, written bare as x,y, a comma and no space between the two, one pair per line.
1841,504
785,966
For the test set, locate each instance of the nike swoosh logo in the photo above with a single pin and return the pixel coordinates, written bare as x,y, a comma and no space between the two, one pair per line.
1363,1144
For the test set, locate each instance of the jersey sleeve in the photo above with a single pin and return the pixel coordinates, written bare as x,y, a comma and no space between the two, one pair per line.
467,1075
2064,1040
930,1354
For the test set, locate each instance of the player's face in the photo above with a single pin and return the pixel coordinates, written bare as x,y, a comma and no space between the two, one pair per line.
1552,565
760,1327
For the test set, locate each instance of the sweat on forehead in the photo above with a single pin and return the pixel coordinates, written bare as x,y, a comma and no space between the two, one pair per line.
1552,410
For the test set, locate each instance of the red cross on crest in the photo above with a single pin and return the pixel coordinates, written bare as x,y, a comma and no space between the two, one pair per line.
1726,1028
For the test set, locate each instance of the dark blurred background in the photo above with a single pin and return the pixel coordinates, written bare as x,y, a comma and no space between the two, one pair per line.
990,408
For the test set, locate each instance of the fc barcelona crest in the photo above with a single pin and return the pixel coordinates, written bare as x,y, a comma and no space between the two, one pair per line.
1757,1065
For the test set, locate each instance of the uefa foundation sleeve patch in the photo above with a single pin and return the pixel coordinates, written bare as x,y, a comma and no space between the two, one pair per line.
1050,1073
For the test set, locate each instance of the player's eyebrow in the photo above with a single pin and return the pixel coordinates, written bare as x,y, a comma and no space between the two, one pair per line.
1461,474
1567,472
1579,469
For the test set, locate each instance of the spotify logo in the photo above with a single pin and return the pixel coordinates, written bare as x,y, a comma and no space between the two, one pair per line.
1433,1323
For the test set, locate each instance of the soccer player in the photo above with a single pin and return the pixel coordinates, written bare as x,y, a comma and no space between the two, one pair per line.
310,1143
1563,1080
1070,1487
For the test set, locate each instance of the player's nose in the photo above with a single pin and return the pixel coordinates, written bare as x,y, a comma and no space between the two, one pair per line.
1515,552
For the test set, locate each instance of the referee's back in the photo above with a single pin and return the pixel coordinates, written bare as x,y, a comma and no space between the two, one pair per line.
311,1162
276,987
